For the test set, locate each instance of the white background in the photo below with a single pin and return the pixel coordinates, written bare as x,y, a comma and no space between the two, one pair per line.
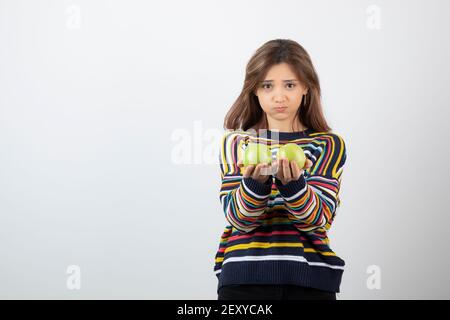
96,95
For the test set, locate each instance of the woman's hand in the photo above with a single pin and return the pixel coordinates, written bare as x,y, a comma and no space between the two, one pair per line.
260,172
287,172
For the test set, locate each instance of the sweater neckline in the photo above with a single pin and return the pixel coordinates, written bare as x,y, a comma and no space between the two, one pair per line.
283,135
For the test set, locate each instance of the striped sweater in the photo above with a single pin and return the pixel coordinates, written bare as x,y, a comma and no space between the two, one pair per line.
275,233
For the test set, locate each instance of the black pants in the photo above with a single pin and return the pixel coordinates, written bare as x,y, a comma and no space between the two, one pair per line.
272,292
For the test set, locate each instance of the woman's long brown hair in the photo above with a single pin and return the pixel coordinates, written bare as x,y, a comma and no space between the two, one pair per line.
246,112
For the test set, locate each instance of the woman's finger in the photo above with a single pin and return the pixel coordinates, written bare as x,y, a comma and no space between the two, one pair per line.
295,170
256,172
265,170
248,171
280,170
286,170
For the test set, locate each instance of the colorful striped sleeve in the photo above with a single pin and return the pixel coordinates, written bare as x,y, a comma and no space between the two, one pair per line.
312,201
243,200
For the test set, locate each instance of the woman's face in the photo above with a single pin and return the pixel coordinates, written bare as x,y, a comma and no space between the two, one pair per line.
280,88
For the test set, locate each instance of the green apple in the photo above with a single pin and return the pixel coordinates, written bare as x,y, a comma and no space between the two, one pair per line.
292,151
257,153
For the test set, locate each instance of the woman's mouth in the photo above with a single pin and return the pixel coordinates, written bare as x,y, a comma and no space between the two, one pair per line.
280,109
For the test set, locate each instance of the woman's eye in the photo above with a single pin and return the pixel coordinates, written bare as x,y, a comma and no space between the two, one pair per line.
264,86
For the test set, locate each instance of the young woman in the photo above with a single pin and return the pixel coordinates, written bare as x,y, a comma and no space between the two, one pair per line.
275,245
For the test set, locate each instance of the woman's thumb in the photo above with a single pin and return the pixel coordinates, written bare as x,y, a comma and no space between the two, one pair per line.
308,163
